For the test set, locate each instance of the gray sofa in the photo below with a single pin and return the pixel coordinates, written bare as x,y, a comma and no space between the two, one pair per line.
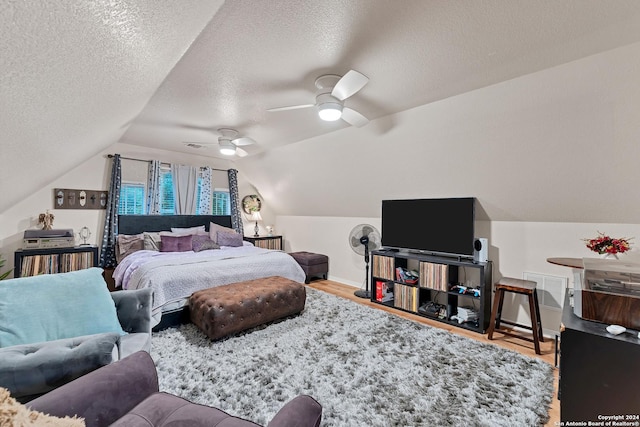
125,393
29,370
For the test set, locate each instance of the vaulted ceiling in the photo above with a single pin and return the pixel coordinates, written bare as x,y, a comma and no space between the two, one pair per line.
77,76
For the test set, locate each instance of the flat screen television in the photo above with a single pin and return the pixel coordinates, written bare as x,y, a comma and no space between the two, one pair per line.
438,226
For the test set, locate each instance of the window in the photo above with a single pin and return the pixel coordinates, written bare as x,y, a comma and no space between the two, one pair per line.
132,197
167,201
221,202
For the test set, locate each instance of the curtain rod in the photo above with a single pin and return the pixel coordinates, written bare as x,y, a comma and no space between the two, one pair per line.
149,161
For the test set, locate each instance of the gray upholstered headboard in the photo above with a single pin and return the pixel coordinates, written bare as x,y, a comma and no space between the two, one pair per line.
135,224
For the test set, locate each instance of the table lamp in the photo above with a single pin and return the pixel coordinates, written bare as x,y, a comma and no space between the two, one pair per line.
255,216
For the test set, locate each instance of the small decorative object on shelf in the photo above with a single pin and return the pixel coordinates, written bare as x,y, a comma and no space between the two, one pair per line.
84,234
46,219
269,230
608,246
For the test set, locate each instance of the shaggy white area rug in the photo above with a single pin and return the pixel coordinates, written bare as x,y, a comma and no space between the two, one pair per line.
365,366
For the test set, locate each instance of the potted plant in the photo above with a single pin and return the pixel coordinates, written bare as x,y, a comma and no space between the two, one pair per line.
6,273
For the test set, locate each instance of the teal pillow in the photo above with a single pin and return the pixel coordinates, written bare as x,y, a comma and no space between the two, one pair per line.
55,306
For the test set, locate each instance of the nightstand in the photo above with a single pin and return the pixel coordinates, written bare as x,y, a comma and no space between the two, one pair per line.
266,242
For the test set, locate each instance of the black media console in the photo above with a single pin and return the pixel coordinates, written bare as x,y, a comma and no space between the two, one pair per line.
451,290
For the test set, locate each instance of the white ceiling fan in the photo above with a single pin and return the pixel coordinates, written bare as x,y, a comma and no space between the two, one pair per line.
331,94
229,143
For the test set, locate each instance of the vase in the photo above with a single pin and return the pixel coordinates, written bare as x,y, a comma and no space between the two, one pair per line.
607,255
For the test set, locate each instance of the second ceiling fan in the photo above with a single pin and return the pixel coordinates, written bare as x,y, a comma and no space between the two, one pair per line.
331,94
229,142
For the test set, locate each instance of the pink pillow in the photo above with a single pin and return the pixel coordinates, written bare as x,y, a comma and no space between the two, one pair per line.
176,243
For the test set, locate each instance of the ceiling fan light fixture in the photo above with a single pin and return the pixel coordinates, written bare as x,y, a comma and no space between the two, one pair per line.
330,111
227,148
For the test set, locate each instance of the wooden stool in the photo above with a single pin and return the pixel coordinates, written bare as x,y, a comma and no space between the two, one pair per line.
523,287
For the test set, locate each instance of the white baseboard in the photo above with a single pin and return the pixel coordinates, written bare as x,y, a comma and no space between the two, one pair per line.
347,282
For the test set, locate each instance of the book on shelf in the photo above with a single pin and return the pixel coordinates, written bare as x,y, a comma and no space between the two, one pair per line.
434,276
383,267
33,265
405,297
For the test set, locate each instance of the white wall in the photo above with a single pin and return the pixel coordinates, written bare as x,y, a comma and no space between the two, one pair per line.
560,145
551,157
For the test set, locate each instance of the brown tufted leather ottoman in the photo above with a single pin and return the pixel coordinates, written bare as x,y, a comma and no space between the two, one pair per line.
314,265
228,309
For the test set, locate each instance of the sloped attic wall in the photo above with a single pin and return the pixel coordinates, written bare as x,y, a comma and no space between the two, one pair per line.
552,158
557,145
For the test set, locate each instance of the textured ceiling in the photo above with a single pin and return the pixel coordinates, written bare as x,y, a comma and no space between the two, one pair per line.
256,55
77,76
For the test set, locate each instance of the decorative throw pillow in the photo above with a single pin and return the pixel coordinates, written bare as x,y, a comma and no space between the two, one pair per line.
191,230
128,244
229,239
152,241
13,413
176,243
215,228
56,306
203,243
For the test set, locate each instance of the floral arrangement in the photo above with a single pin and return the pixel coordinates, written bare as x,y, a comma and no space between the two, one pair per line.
604,244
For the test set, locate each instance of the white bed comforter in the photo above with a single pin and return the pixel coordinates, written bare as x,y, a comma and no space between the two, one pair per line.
174,276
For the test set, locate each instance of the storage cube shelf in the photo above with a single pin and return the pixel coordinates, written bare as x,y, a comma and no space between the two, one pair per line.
32,262
438,291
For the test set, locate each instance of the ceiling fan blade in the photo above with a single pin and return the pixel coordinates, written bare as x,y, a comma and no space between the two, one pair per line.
291,107
353,117
243,141
241,153
349,84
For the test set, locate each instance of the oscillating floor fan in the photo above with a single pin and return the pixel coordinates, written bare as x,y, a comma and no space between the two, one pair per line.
363,239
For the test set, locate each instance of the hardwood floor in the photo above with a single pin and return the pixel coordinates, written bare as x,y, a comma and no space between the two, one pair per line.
547,347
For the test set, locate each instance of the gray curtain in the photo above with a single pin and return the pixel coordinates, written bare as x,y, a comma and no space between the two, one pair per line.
234,198
205,206
185,188
153,188
108,249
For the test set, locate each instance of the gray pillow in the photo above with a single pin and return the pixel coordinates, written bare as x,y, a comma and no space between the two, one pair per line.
128,244
215,228
229,239
203,243
152,241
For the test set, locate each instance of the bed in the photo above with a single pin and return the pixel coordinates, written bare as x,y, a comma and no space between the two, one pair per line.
174,276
